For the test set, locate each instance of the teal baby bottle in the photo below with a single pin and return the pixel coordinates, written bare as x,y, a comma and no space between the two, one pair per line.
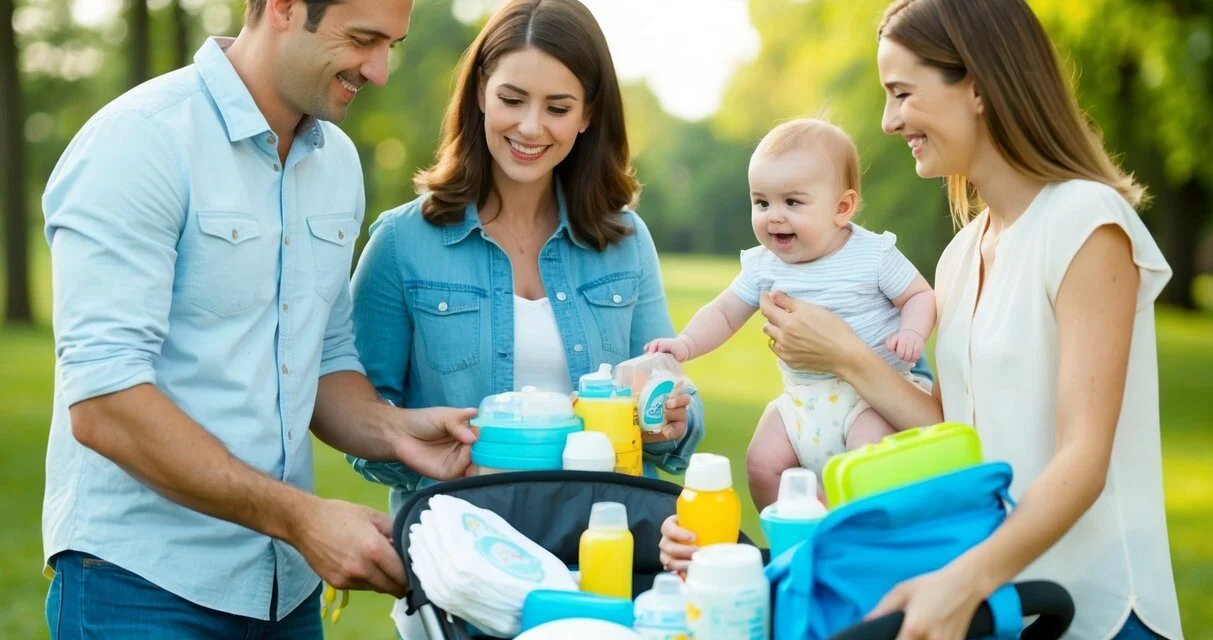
795,513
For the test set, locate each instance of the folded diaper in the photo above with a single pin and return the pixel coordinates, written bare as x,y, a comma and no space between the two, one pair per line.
474,565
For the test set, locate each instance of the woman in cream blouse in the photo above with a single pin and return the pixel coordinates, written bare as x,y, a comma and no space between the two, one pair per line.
1046,337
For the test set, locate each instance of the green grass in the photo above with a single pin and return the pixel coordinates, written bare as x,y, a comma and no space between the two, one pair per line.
736,382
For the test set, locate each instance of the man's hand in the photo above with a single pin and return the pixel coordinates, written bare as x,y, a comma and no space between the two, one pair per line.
348,545
677,347
907,344
435,442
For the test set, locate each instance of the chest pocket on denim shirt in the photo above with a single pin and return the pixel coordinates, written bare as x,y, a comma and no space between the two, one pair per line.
448,324
331,237
612,299
228,273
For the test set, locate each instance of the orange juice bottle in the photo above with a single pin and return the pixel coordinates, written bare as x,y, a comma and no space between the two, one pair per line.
604,554
708,506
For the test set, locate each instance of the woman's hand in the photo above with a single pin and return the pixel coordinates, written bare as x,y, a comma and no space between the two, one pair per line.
808,337
675,425
677,545
937,606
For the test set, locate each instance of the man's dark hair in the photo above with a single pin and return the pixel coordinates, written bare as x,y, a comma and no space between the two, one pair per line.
315,11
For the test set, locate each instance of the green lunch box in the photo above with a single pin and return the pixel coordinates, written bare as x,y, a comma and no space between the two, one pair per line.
900,459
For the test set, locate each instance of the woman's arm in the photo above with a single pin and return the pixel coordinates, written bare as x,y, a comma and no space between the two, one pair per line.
1094,308
383,333
808,337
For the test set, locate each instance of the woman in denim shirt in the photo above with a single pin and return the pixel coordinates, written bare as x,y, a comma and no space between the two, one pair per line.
521,264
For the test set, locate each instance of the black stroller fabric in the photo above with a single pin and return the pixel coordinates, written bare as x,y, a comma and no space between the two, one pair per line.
553,509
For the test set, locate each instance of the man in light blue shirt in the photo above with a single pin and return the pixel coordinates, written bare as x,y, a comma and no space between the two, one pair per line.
201,230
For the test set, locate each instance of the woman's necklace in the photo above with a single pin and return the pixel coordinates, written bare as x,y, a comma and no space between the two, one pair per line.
520,241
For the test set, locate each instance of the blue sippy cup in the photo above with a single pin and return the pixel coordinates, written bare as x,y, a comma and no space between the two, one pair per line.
795,513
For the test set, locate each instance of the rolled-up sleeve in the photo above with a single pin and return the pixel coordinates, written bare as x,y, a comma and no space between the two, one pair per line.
114,206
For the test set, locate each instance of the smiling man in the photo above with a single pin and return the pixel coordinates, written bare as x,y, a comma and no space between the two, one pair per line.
201,230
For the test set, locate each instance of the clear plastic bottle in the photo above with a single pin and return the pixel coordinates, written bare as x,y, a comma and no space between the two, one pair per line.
605,552
661,612
708,506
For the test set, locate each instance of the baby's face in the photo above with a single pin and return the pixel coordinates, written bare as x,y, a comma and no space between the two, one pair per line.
797,204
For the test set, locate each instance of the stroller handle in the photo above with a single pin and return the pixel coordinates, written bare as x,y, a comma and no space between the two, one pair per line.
1048,600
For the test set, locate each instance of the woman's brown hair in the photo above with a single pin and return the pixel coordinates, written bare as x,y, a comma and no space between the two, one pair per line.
1030,109
597,177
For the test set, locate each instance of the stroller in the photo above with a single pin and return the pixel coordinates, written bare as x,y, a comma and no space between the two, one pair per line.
552,508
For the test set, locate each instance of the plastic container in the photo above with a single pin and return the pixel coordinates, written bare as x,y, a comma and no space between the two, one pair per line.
661,612
795,513
605,553
545,605
523,430
728,596
608,409
708,506
900,459
588,451
652,377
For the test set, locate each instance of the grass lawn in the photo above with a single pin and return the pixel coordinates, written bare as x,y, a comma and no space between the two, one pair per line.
736,383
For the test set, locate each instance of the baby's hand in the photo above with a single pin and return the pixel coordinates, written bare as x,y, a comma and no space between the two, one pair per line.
907,344
673,346
677,545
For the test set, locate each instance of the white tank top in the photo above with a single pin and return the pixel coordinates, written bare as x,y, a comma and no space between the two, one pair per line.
998,372
539,358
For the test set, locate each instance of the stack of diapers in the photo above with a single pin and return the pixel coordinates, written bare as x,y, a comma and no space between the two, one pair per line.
474,565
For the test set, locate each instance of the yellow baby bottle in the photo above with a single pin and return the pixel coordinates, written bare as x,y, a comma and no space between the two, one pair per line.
708,506
607,408
605,552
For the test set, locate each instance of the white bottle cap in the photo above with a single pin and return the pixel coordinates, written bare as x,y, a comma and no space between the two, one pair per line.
709,472
608,516
798,495
588,451
730,564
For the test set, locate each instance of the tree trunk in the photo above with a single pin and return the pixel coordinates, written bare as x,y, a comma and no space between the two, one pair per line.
12,149
1183,225
181,35
138,24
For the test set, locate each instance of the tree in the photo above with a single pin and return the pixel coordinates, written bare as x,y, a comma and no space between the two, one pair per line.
181,35
139,21
12,148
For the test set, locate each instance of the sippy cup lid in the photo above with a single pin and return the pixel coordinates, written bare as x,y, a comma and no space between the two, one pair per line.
709,472
798,495
608,516
529,408
599,384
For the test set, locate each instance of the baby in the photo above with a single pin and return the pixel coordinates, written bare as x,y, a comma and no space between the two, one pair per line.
804,187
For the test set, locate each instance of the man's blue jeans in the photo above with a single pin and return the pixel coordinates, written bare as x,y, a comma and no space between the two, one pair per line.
91,598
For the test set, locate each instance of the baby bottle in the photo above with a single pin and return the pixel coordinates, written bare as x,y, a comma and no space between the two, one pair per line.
795,513
708,506
605,552
661,612
606,408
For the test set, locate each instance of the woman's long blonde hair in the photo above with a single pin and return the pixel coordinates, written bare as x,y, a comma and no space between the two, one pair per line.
1030,109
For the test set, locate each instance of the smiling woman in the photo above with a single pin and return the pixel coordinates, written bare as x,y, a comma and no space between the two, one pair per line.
521,264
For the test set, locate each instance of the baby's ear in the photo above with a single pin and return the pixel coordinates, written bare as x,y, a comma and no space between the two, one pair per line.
847,205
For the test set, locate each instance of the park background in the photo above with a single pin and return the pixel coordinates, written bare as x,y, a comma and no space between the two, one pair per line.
704,80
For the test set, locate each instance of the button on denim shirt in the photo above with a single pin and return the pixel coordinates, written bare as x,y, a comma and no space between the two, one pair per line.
434,317
187,256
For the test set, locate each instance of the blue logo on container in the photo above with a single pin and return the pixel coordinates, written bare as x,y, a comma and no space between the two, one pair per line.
654,410
501,553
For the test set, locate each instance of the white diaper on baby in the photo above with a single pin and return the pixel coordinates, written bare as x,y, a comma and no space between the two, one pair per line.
818,416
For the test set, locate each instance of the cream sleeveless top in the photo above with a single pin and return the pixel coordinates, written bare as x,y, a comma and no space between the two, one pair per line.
998,372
